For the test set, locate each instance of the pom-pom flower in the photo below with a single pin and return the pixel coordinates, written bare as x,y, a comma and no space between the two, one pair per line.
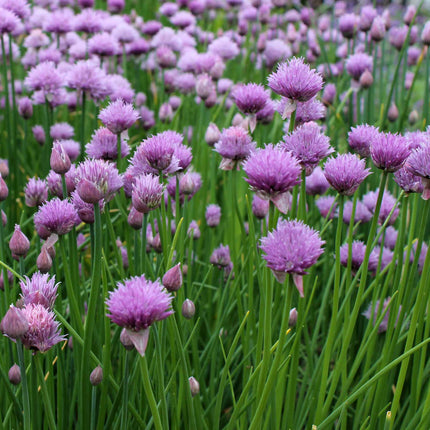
147,193
135,305
360,138
39,290
345,173
292,248
272,172
118,116
389,151
56,216
418,164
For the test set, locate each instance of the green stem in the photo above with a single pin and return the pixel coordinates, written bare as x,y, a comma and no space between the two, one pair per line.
125,391
25,396
45,394
150,394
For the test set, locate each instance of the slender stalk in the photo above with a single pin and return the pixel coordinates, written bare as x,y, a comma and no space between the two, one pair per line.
25,396
124,413
150,394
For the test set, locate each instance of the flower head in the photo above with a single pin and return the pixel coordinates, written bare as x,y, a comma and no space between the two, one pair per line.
250,98
357,64
358,249
213,215
147,193
36,192
292,247
234,145
118,116
295,80
360,138
221,257
43,331
39,290
377,311
316,183
56,216
103,145
389,151
97,180
308,144
345,173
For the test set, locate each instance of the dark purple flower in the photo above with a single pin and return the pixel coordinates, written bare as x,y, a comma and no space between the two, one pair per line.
43,331
56,216
345,173
234,145
292,247
360,138
271,173
389,151
308,144
118,116
19,243
39,290
96,180
295,80
136,304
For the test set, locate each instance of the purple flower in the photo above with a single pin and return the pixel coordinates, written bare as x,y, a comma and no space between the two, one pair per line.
362,214
136,304
158,154
390,237
348,24
295,80
103,145
358,249
118,116
377,311
312,110
418,164
39,290
96,180
189,183
72,148
39,134
345,173
316,183
389,151
260,207
271,173
221,257
357,64
43,331
46,78
213,215
360,138
387,204
224,47
61,130
36,192
103,45
147,193
55,185
9,21
292,247
250,98
234,145
85,210
375,256
25,107
308,145
56,216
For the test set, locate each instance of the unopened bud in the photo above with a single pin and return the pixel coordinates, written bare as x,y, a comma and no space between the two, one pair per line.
393,113
4,168
172,279
293,317
194,386
96,376
19,244
126,341
59,161
212,134
366,79
413,117
4,190
135,218
188,309
25,108
14,324
14,374
44,261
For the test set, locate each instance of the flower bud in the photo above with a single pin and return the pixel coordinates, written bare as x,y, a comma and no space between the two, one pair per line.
293,317
14,324
59,161
4,190
25,107
44,261
393,113
39,134
366,79
19,244
88,192
96,376
14,374
135,218
188,309
3,218
194,386
165,114
124,338
413,117
172,279
212,134
425,35
4,168
204,86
